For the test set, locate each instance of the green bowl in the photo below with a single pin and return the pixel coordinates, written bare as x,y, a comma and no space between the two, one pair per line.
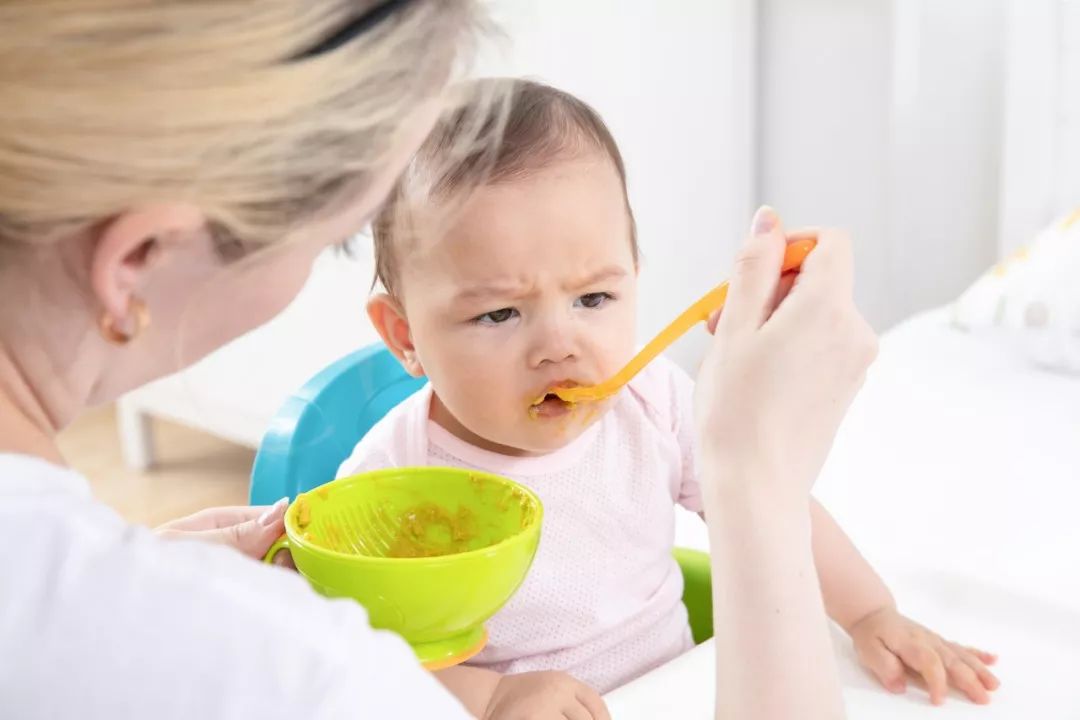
431,553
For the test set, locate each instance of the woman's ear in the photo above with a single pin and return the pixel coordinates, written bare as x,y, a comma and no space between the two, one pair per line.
129,246
389,320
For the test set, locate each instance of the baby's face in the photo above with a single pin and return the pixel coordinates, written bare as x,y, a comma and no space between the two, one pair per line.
534,286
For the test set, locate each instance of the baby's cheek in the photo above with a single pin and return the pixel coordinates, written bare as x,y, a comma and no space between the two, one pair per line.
616,348
482,400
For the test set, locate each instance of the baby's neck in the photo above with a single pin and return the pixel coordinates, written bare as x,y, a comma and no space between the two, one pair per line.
442,417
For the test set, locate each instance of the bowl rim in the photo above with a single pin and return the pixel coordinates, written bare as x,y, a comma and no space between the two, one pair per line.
519,537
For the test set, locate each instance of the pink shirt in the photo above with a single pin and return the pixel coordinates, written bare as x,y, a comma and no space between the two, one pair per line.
602,601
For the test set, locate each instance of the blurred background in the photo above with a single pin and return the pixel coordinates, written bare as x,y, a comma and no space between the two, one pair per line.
944,134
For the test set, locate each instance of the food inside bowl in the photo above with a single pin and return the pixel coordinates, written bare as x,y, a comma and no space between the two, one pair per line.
430,530
423,530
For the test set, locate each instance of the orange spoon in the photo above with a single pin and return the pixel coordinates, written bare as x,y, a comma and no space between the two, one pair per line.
698,312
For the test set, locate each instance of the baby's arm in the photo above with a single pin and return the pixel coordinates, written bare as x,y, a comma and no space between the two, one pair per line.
886,641
488,694
850,587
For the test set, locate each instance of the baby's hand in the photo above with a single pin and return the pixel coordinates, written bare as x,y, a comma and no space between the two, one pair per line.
544,696
889,643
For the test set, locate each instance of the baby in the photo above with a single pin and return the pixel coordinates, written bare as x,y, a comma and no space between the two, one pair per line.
532,284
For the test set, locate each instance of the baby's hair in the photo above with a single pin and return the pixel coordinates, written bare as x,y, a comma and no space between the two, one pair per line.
534,126
263,114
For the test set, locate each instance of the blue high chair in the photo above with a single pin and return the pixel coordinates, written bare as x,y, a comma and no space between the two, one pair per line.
319,425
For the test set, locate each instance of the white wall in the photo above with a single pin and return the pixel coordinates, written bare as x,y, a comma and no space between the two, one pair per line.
883,116
946,149
672,80
1041,166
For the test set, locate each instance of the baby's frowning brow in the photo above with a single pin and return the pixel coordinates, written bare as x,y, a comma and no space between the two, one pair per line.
489,291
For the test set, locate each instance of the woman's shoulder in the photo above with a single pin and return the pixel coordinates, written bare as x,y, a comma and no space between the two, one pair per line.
31,476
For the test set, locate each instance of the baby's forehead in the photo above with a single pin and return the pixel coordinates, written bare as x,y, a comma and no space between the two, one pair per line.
574,207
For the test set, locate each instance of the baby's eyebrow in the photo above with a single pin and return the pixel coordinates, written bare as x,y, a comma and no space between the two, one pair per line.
506,291
611,272
484,292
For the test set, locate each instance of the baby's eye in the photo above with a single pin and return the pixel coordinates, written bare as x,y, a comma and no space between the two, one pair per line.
495,317
594,300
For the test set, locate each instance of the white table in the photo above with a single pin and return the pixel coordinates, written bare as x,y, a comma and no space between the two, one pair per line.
1039,670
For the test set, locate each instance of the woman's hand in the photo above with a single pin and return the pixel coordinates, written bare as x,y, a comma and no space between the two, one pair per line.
251,530
782,371
769,397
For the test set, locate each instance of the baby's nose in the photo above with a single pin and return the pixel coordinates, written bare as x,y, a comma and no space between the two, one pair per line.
555,343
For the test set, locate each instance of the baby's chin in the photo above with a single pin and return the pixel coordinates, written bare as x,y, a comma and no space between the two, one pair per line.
533,432
548,432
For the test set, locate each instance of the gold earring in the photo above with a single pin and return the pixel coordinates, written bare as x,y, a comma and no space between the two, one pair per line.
109,331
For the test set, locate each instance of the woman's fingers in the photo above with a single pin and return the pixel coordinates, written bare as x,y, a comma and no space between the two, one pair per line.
783,289
829,266
787,280
252,536
756,275
213,518
710,325
220,517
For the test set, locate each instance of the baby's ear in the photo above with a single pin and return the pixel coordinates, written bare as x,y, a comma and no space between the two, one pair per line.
390,322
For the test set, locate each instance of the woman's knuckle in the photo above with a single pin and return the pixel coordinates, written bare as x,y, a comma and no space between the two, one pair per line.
873,348
747,263
866,350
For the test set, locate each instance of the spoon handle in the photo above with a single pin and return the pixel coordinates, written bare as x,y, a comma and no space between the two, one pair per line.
700,311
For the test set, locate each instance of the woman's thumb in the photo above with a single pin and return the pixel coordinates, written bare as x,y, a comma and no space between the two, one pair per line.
757,273
251,537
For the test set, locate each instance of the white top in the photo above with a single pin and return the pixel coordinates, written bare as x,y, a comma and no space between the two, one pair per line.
102,619
603,599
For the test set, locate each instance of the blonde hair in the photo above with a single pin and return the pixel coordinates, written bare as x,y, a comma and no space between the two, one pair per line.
260,113
536,126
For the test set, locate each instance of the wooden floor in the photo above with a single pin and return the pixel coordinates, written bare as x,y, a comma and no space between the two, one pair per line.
193,471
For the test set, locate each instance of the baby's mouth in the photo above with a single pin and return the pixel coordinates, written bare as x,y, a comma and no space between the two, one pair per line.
551,405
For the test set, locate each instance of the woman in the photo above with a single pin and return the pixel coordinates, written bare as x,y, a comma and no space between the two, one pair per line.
168,172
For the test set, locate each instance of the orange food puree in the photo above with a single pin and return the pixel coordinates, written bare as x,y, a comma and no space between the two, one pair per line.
429,530
303,513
